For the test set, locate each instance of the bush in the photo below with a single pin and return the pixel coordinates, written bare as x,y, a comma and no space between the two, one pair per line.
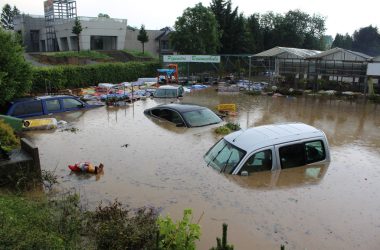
15,73
227,128
7,137
28,224
61,77
113,228
181,235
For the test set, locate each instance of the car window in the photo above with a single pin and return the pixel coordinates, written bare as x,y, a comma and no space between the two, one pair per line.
201,117
301,154
261,161
315,151
224,156
27,108
170,93
292,155
53,105
169,115
69,103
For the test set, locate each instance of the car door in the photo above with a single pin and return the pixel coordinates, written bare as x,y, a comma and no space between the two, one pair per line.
263,159
300,153
26,109
70,104
52,106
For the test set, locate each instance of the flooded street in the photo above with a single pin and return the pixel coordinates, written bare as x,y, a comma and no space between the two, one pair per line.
326,207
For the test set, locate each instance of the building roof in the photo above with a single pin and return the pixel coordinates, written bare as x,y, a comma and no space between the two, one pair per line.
298,53
356,55
268,135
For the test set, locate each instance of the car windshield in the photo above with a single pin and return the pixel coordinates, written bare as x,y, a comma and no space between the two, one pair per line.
201,117
169,93
224,156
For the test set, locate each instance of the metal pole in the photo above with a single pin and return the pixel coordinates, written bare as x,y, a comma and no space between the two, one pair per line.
249,74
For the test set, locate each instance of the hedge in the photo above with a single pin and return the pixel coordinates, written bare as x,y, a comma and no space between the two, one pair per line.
62,77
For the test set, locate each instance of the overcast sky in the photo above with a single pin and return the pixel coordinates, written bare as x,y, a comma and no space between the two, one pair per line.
342,16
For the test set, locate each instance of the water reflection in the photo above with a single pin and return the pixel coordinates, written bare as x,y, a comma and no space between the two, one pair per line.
287,178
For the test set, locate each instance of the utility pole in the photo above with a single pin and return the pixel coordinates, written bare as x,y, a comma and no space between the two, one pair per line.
249,72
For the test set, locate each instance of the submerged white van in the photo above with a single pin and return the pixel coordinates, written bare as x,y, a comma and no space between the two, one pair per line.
269,147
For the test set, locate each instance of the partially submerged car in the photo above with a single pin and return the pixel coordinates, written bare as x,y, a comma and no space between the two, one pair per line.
184,115
169,91
45,105
269,147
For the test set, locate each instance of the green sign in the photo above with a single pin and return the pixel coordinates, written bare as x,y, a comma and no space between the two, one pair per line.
192,58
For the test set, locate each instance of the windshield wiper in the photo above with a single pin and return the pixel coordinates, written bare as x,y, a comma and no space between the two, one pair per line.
225,165
208,164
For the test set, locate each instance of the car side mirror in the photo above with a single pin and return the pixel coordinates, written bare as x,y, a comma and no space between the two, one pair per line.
244,173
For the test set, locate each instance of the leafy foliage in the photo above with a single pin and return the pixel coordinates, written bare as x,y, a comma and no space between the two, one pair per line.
83,76
77,29
227,128
40,224
15,73
231,26
179,236
342,41
196,31
7,16
7,137
113,228
103,15
143,37
82,54
367,41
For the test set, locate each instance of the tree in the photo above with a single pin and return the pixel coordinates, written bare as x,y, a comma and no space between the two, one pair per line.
101,15
196,31
77,29
342,41
231,27
7,16
367,41
255,34
143,37
15,73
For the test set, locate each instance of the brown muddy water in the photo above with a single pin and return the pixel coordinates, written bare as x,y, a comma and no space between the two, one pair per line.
327,207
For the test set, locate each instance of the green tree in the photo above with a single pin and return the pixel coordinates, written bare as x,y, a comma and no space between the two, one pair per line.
15,73
367,41
231,27
77,29
143,37
342,41
7,16
101,15
255,34
196,31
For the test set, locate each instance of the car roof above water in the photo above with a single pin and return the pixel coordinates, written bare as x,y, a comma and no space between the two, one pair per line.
181,107
35,98
268,135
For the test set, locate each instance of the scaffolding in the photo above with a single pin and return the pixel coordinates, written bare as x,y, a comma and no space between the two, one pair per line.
56,10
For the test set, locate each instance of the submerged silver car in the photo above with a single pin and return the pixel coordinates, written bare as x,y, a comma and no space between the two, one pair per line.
269,147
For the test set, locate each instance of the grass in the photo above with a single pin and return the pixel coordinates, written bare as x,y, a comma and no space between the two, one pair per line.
82,54
39,224
137,53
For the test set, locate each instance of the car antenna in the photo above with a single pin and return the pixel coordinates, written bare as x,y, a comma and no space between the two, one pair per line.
238,136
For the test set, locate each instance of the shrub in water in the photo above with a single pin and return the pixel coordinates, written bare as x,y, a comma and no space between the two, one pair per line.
181,235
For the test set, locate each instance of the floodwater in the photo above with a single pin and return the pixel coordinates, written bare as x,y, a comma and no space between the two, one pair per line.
324,207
